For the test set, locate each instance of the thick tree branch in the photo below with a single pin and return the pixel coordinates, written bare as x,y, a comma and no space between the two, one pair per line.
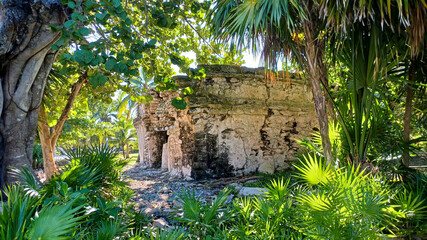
75,90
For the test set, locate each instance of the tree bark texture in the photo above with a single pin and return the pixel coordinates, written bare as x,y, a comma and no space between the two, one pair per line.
48,148
316,69
49,135
408,113
26,59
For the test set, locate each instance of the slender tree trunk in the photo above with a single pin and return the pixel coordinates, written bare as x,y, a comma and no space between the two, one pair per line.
408,112
26,59
124,154
47,148
49,136
140,131
325,82
316,71
127,150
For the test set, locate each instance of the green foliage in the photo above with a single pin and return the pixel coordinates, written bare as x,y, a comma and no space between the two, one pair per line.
322,203
37,156
174,234
29,182
261,25
204,219
54,221
91,168
314,144
343,203
411,206
16,214
84,202
350,204
179,103
312,170
126,46
369,63
266,217
266,178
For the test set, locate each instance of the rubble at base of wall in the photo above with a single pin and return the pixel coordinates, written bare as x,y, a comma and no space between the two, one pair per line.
236,122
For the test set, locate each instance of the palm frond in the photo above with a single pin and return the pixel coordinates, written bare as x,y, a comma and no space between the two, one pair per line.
17,212
55,222
312,170
30,183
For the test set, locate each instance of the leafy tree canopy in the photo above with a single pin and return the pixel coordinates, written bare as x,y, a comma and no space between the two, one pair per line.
111,40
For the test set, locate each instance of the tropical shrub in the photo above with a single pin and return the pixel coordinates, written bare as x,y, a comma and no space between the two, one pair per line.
344,203
411,206
89,200
37,156
270,216
204,218
82,202
322,203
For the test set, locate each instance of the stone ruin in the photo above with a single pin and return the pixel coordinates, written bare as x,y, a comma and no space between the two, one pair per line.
236,123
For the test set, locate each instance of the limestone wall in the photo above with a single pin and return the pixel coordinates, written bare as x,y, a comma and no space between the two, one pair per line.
235,123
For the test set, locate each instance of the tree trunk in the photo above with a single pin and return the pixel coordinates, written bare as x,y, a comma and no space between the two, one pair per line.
325,82
124,152
47,147
49,136
26,59
408,113
314,54
127,151
140,131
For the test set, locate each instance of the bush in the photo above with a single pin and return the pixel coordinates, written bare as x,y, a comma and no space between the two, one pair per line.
37,156
90,200
322,203
83,202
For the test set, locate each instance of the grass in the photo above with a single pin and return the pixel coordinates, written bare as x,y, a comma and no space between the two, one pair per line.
133,157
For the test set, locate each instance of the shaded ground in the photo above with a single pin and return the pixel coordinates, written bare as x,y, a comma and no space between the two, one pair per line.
156,190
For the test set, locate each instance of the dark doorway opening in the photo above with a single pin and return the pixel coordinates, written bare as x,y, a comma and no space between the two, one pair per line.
162,138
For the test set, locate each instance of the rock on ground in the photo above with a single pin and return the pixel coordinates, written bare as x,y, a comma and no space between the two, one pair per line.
247,191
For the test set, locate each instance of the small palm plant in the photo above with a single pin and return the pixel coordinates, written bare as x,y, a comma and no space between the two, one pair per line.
411,206
344,203
204,218
81,203
270,216
25,217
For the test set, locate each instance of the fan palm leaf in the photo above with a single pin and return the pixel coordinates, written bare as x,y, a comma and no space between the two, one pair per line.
54,222
312,170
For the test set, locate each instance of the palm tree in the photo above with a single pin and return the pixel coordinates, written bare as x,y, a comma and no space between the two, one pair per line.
136,92
280,28
370,63
405,18
124,135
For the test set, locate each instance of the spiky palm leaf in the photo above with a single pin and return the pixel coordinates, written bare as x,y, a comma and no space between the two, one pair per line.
393,14
312,170
16,213
266,25
204,218
369,62
30,183
351,205
55,222
157,234
93,167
